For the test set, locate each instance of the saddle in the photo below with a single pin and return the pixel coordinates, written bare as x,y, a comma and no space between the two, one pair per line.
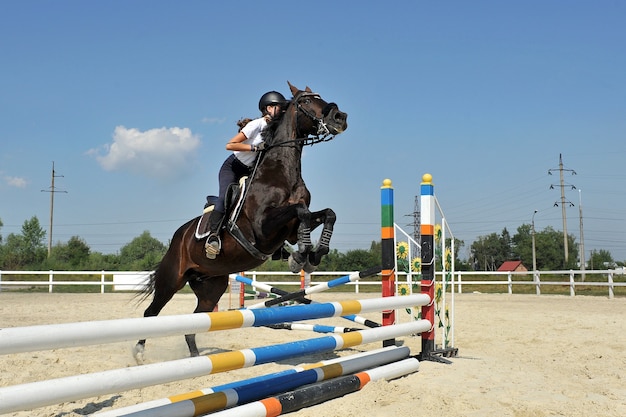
235,196
232,204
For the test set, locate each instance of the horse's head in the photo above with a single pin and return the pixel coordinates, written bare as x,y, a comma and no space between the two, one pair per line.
307,119
321,118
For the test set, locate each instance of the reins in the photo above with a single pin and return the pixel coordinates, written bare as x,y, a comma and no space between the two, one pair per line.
323,135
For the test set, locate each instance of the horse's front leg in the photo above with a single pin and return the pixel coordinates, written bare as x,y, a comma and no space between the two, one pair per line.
298,259
306,258
327,217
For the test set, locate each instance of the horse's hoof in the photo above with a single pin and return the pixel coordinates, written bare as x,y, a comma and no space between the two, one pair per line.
294,266
138,353
308,267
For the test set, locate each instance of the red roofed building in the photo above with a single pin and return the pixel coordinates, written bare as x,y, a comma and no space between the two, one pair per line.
512,266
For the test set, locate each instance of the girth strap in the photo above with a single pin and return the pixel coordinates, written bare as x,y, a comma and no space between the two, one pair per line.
237,234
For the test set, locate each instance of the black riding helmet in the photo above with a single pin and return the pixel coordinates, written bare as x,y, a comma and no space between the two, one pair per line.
269,98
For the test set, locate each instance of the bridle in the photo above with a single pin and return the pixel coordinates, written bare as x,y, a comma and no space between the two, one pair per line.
323,133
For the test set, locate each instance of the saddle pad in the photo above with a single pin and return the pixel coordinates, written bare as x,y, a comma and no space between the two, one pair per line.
202,230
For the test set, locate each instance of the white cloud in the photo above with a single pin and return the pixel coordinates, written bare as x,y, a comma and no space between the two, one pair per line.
160,153
213,120
16,181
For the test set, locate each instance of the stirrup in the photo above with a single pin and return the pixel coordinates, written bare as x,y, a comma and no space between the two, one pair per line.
212,246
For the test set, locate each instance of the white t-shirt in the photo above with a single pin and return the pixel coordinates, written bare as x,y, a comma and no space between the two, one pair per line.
252,131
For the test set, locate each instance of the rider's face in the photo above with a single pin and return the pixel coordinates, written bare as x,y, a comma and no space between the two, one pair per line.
274,110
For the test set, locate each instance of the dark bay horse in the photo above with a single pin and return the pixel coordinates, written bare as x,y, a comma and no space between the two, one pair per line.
275,210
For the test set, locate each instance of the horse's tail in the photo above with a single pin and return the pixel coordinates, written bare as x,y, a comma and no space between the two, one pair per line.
148,288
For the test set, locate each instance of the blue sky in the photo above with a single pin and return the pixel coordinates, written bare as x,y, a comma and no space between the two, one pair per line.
135,100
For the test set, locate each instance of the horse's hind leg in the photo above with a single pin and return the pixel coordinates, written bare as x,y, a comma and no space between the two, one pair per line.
163,293
208,290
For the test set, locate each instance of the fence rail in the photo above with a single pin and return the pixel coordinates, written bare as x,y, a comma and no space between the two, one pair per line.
458,280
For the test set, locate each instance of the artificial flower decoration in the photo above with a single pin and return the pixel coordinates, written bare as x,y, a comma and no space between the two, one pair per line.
448,259
438,232
403,289
402,250
416,264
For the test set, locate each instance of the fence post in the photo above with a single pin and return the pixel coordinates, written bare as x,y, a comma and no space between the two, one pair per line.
572,291
459,283
611,293
510,283
50,281
537,281
102,282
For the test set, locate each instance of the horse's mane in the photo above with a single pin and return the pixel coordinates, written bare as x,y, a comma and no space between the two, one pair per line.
269,132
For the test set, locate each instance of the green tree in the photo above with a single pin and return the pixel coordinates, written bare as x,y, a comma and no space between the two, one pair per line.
522,245
106,262
550,250
26,250
357,260
601,259
71,255
489,252
143,253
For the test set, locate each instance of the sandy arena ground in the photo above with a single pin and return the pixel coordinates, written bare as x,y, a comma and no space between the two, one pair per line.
519,356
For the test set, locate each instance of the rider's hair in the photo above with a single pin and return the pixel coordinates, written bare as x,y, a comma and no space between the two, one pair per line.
243,122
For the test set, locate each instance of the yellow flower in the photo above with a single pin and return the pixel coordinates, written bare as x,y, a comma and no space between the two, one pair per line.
448,258
402,250
403,289
438,232
416,264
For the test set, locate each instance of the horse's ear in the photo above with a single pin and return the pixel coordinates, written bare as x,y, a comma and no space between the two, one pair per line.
293,89
308,90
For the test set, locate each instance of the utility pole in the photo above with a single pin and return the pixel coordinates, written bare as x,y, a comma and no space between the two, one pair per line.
563,202
532,230
582,236
52,190
417,235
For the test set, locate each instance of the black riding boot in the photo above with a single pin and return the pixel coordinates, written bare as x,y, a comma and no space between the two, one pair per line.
213,243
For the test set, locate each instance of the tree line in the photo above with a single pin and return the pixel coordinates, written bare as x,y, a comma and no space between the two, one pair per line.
28,251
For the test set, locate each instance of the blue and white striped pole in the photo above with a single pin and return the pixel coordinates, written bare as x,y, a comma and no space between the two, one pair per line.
39,394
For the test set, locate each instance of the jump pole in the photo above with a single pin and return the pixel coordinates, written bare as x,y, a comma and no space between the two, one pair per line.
43,393
265,287
317,328
388,252
33,338
427,231
207,400
318,288
317,393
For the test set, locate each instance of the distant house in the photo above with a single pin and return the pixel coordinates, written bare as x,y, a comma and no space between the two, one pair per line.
512,266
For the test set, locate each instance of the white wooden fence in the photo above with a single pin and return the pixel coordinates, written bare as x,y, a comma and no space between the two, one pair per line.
458,280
